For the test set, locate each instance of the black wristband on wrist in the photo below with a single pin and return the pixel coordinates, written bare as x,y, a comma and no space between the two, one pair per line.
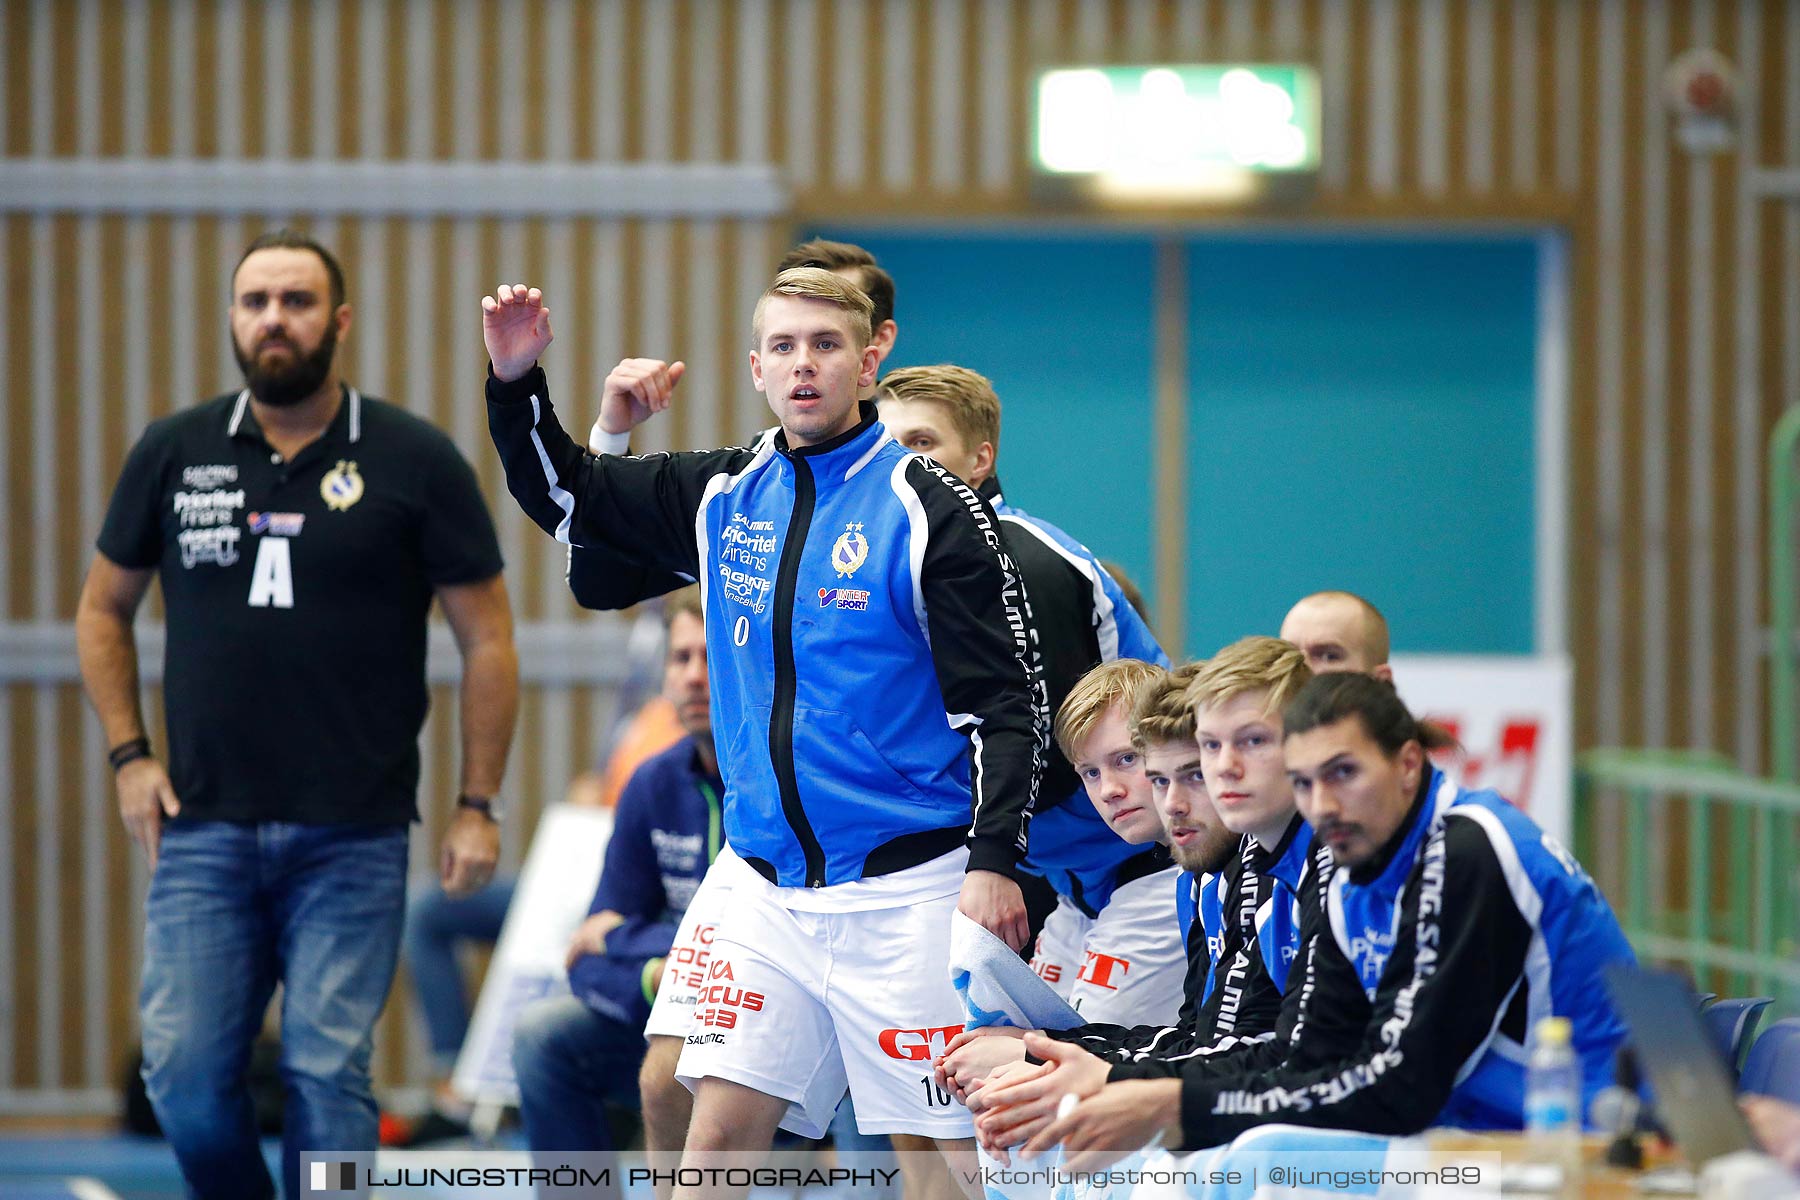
128,752
480,804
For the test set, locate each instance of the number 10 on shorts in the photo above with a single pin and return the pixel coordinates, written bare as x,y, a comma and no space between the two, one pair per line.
935,1096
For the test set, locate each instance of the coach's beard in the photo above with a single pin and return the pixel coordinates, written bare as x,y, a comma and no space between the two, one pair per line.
287,386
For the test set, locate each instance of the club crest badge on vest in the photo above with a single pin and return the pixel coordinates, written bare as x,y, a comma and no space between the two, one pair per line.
850,550
341,487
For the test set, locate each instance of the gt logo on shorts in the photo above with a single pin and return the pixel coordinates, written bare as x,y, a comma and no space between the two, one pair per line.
917,1045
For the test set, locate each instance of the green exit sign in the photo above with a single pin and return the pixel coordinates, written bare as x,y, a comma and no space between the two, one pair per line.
1175,129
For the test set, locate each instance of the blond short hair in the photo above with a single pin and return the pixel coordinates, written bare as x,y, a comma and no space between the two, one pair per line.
967,398
1251,664
846,257
815,283
1111,683
1163,712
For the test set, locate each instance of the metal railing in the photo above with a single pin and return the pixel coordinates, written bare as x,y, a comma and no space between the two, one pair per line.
1697,858
1784,604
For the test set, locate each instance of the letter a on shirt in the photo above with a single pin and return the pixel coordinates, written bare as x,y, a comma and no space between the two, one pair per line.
272,582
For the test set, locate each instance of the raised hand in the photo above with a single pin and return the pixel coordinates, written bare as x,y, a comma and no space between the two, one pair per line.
516,327
635,390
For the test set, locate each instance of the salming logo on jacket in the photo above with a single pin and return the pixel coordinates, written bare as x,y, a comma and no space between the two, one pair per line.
1422,974
867,640
1278,912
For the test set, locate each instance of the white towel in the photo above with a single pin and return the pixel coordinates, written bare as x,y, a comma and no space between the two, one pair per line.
996,985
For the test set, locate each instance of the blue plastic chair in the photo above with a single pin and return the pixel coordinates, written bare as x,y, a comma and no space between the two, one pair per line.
1732,1022
1772,1067
1707,998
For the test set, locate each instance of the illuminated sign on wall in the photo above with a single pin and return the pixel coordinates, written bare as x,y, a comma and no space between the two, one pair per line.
1178,131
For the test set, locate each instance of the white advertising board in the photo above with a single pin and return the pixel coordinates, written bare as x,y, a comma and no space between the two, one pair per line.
556,886
1515,719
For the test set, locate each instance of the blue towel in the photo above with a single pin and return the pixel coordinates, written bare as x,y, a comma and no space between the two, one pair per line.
997,986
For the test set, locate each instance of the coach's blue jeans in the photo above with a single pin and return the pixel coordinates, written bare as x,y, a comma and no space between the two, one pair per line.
235,908
569,1061
436,924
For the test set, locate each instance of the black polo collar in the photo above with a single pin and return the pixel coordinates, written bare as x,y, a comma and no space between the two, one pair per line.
346,426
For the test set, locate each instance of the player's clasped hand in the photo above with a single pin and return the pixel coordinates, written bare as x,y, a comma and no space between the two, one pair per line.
516,327
974,1054
992,1094
1118,1120
1018,1108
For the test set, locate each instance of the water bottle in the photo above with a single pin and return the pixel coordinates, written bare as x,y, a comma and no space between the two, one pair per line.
1553,1102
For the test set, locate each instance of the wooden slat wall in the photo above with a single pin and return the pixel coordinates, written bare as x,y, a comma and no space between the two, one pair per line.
1685,303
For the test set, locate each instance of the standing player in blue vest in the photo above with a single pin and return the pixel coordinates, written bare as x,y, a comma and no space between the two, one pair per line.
870,663
600,577
1488,925
1105,957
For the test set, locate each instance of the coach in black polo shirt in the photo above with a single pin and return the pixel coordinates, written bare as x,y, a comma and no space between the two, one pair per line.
300,531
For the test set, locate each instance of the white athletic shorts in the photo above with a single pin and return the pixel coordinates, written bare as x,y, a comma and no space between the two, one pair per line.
684,970
805,1004
1132,961
1057,957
